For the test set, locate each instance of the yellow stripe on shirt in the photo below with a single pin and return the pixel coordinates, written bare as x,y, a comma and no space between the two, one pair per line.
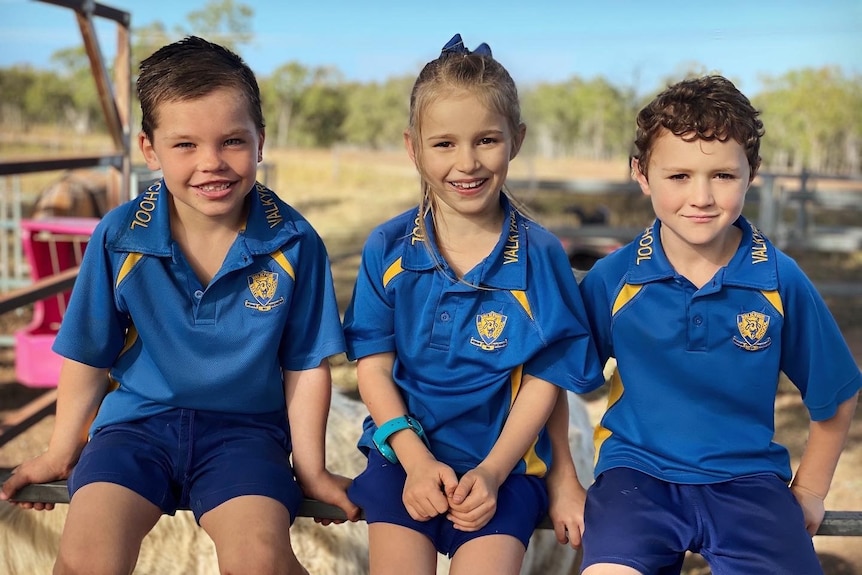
281,260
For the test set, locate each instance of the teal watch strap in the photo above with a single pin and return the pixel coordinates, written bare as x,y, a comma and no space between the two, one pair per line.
381,436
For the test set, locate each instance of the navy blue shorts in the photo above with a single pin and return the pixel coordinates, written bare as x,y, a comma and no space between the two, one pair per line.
194,459
522,502
750,525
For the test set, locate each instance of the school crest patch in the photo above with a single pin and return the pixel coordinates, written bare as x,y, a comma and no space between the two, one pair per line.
263,286
490,327
752,328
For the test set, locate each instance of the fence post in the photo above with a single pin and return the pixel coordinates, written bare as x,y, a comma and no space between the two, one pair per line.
768,218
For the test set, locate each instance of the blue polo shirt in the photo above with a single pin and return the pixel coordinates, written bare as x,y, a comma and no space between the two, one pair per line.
139,309
692,400
460,350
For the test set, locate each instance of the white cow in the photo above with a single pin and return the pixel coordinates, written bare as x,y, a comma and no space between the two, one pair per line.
29,539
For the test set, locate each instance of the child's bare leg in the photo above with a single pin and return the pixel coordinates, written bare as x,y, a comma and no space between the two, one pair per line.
104,530
252,535
489,555
395,550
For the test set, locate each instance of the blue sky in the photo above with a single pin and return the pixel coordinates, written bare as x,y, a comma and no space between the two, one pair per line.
631,43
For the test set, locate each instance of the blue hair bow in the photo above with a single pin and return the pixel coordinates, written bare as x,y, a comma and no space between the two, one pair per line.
456,46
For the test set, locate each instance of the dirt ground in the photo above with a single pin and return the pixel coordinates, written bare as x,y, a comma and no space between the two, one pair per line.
839,555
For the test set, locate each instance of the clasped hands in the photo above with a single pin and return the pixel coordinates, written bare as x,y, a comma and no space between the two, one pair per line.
432,488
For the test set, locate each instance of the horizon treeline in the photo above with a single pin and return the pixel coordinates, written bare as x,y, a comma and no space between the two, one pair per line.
812,116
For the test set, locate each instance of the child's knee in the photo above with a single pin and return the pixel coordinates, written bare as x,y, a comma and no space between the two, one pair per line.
259,557
83,559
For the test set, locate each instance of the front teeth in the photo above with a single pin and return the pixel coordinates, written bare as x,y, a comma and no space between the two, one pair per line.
468,186
215,188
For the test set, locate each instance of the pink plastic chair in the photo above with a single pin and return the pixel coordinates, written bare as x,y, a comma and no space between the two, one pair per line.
51,245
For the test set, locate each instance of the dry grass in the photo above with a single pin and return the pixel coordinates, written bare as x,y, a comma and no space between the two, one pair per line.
343,193
49,141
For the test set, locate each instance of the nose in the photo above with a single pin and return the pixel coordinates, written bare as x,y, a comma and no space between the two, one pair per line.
701,194
211,159
467,160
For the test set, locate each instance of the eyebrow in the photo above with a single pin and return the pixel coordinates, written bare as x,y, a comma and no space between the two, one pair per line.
481,134
676,169
226,135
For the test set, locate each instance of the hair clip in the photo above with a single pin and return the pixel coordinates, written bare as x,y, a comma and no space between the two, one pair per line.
456,46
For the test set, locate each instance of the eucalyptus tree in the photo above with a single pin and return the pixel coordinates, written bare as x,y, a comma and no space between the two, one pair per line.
377,113
813,120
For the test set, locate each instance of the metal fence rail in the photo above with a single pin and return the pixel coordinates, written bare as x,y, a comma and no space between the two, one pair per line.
836,523
787,204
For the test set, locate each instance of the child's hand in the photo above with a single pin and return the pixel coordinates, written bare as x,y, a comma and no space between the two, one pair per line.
427,487
813,508
41,469
567,499
330,488
474,501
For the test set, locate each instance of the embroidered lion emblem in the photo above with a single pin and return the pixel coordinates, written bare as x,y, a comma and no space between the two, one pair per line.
752,328
263,286
490,327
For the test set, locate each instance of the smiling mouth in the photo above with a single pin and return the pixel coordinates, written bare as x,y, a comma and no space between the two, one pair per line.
214,188
468,186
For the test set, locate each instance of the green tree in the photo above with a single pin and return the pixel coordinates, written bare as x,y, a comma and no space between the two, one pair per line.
48,99
322,109
586,118
14,84
305,107
812,121
147,39
553,122
281,93
224,22
603,119
377,113
84,112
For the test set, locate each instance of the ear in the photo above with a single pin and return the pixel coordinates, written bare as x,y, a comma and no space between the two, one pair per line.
752,173
149,152
518,140
261,138
408,143
641,179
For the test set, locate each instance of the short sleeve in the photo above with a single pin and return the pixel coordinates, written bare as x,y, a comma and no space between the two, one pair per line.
369,322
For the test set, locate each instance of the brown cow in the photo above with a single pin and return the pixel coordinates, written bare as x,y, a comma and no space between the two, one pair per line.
78,194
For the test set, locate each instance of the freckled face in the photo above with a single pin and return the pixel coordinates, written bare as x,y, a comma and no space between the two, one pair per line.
208,149
697,189
464,154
